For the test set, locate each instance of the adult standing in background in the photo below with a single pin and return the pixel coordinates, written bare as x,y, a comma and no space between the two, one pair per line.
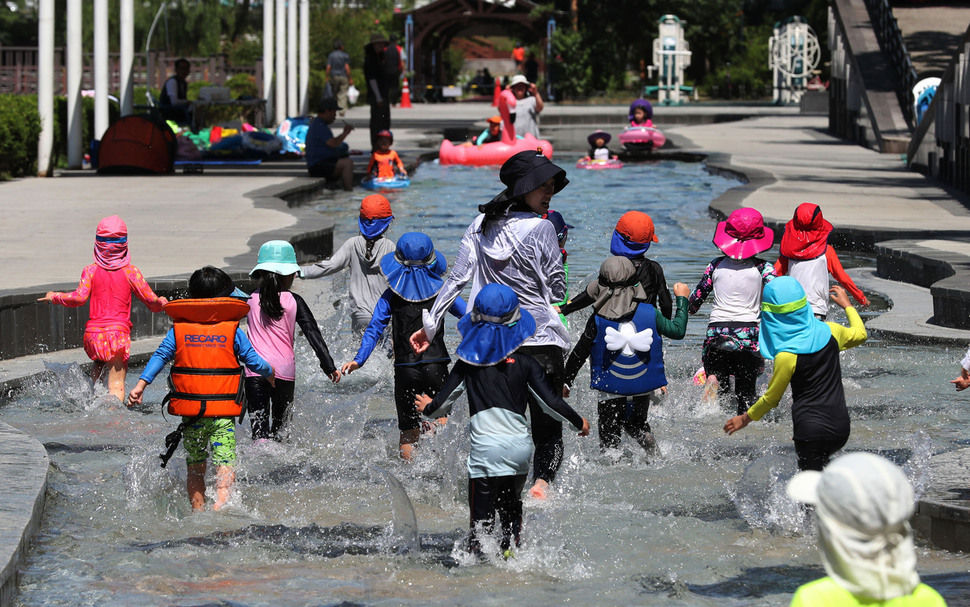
378,95
394,67
338,72
518,55
528,106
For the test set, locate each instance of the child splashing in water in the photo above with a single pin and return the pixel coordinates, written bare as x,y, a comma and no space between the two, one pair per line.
109,282
274,313
498,378
413,273
363,253
736,280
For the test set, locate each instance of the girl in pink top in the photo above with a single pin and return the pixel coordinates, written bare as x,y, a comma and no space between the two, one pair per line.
109,282
274,313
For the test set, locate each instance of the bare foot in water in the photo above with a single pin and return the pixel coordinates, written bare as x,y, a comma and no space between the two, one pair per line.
539,489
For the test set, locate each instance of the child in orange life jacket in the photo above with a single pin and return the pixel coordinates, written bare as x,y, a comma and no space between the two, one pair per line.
623,339
384,160
274,313
206,386
807,257
413,273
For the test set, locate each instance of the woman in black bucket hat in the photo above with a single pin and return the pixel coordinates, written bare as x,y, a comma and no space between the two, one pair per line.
509,243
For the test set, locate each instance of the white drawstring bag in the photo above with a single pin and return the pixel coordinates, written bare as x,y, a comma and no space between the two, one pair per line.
352,94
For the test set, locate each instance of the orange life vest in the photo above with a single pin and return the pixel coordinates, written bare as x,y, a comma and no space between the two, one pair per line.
206,378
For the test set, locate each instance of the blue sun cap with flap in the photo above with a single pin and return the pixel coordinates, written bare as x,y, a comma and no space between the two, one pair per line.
495,327
787,321
415,268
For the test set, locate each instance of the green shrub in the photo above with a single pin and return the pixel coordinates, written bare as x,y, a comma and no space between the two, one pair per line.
19,133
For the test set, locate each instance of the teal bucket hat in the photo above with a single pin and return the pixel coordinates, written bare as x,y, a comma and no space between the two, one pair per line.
278,257
787,321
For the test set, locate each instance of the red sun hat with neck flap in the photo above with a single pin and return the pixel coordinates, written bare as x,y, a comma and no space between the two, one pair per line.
806,235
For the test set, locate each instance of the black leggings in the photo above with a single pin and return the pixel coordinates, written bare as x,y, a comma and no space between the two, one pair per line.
501,494
259,394
744,366
815,454
546,431
625,413
411,380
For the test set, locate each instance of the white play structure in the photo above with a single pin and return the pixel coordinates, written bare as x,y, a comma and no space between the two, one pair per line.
671,57
793,55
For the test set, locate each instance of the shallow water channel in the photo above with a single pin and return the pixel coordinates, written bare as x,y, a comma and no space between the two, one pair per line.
330,516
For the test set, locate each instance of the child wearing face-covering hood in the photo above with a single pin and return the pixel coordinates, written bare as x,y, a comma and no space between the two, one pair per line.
623,341
363,253
109,282
863,503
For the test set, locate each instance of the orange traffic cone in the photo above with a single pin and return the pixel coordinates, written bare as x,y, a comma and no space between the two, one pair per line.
498,91
405,95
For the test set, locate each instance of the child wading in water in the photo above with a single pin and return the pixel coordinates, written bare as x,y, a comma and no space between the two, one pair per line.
807,257
363,253
498,381
274,313
736,279
109,282
806,354
623,337
562,234
384,162
413,274
205,382
632,237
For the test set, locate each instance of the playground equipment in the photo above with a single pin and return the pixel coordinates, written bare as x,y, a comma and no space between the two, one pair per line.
793,55
671,57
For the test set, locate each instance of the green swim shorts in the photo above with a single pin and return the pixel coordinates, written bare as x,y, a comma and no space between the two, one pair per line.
220,432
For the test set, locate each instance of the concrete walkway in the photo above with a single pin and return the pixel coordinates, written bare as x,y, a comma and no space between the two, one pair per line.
180,222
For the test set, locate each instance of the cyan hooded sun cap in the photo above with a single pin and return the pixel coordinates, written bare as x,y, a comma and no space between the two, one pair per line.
787,321
278,257
495,327
415,268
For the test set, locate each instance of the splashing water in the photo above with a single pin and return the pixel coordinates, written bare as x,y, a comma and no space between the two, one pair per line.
312,522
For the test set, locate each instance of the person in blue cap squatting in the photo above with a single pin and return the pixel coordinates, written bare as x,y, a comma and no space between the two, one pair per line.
623,338
413,273
806,353
498,381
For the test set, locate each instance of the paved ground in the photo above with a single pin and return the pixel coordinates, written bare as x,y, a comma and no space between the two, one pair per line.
932,36
180,222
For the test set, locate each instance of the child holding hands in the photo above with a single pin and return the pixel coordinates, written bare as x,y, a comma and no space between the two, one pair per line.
498,381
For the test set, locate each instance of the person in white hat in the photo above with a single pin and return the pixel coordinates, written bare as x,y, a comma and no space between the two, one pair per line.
528,106
863,503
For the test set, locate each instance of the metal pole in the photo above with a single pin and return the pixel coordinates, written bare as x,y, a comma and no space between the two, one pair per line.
304,57
550,32
292,62
101,117
45,86
280,61
268,57
409,42
127,56
75,70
